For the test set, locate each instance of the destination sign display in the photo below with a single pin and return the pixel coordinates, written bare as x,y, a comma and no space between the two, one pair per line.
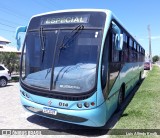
65,20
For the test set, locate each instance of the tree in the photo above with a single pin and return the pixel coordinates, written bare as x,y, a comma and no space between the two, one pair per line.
155,58
10,60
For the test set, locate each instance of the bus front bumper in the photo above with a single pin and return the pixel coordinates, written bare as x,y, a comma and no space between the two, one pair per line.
94,117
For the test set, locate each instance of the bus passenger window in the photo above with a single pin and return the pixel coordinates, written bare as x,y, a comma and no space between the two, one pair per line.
131,52
115,52
125,48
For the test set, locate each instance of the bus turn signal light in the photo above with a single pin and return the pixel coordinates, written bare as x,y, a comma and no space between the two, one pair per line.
92,103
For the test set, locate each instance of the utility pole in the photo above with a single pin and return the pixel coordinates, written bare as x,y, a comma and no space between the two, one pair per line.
150,50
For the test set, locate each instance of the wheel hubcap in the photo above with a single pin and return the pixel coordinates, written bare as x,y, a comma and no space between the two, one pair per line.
3,82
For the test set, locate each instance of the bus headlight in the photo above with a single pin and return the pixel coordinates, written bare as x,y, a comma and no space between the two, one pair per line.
86,104
79,105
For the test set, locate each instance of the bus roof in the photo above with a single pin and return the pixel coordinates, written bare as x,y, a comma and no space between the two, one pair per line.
74,10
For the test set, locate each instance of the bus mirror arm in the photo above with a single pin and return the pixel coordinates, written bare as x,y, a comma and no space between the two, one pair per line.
17,37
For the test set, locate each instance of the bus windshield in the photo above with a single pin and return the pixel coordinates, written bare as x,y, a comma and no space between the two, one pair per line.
62,57
75,60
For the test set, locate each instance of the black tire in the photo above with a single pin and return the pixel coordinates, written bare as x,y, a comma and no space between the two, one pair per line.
120,99
3,82
140,78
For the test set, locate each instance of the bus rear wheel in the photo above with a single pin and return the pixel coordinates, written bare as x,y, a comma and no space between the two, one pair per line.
120,99
140,78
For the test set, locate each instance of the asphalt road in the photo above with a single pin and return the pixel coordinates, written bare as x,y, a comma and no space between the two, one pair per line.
13,116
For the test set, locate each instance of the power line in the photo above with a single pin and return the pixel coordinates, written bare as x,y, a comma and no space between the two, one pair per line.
7,25
4,20
11,10
11,13
7,30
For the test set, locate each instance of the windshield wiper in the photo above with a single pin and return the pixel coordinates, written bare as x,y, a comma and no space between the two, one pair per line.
71,37
63,45
48,71
42,43
74,33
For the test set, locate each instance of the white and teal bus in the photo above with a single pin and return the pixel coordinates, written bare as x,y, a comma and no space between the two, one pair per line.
78,66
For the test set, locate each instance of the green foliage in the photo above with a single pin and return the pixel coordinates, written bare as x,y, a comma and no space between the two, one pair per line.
10,60
143,112
155,58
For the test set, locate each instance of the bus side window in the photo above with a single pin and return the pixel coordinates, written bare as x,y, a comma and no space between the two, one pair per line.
104,77
115,52
125,48
115,62
131,52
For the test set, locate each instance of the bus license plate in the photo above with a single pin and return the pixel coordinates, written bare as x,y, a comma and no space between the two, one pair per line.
49,111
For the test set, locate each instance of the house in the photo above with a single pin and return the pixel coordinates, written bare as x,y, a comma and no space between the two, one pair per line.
4,47
4,41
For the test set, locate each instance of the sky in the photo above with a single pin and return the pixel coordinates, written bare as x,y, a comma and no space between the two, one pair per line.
135,15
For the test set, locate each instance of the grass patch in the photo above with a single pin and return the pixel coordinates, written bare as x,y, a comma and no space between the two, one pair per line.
143,112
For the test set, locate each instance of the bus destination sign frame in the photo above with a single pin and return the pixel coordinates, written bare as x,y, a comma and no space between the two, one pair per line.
65,20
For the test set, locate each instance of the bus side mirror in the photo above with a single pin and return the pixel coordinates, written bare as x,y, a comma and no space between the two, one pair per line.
121,42
118,37
17,37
